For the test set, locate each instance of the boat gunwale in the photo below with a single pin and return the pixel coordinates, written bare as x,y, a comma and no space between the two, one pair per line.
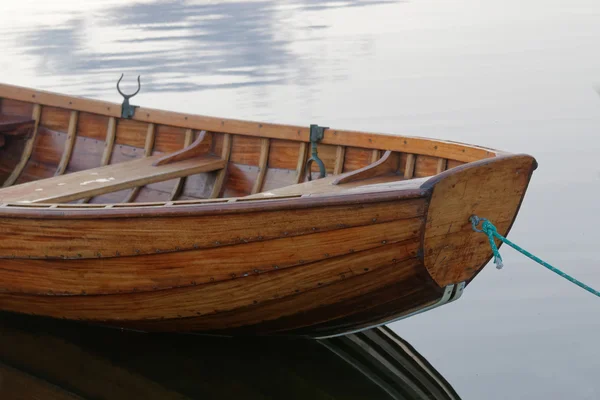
402,143
224,207
234,205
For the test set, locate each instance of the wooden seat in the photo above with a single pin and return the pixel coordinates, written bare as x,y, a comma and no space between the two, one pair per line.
110,178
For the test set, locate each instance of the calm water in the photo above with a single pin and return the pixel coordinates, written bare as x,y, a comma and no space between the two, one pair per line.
517,75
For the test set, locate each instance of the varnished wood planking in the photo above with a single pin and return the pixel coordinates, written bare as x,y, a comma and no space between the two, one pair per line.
27,148
186,233
87,154
196,267
170,139
278,178
55,119
491,189
411,290
240,180
92,126
15,107
348,283
223,296
245,150
425,166
356,158
453,163
131,133
283,154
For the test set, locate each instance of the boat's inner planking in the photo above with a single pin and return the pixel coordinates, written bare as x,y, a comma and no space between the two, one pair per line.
42,140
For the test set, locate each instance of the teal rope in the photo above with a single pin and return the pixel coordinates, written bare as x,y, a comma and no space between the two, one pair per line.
490,230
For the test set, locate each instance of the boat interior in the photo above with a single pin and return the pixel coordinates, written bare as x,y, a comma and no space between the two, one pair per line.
61,151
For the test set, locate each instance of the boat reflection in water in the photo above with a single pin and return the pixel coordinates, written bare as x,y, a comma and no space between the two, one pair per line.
51,359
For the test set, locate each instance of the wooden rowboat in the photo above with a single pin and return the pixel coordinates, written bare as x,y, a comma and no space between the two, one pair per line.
162,221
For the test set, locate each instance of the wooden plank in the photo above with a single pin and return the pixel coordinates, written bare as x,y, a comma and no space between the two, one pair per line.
301,162
106,179
196,267
148,146
385,165
409,170
220,179
27,150
69,144
196,227
230,295
407,144
262,166
178,188
339,160
441,166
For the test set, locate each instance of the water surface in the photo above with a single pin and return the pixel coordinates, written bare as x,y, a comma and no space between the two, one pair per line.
513,75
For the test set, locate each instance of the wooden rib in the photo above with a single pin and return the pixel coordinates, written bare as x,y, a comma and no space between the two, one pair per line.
111,131
69,144
301,162
186,153
148,146
340,155
385,165
220,179
374,156
109,142
27,150
441,165
409,170
262,165
176,192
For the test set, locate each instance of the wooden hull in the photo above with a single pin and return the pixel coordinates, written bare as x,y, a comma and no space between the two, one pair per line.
315,259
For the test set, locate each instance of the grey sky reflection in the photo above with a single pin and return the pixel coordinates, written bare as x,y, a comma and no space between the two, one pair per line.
182,46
